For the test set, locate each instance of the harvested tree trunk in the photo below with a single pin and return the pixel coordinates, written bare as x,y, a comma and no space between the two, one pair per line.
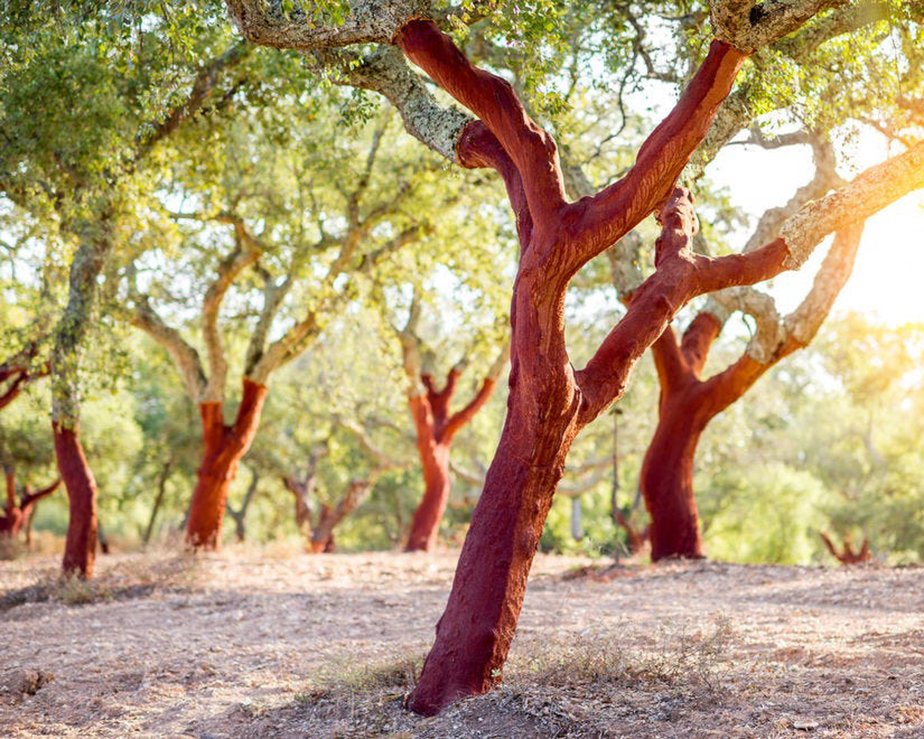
318,529
688,404
435,427
12,518
329,517
17,372
549,400
18,514
80,546
28,504
430,412
225,446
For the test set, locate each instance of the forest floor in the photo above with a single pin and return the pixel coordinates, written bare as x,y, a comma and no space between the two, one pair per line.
254,643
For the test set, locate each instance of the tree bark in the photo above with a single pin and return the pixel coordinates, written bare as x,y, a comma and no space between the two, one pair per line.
224,447
425,524
847,555
477,627
11,521
29,502
688,404
667,480
158,500
80,545
435,429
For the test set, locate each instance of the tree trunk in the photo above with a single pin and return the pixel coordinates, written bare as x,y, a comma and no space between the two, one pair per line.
322,538
224,447
102,538
11,521
80,546
577,527
477,627
425,525
158,500
667,479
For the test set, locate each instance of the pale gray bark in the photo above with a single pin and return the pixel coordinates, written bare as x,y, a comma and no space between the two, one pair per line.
184,355
410,348
246,252
749,26
870,192
387,72
268,23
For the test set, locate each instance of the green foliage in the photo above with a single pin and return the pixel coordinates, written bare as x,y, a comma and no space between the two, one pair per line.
765,513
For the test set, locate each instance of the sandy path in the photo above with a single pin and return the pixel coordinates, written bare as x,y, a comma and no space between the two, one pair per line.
228,646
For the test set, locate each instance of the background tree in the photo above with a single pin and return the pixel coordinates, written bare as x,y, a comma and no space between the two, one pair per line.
62,171
435,425
341,231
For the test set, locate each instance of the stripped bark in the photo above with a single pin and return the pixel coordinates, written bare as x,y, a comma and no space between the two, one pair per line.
318,526
224,447
18,513
689,403
96,237
18,371
435,428
263,355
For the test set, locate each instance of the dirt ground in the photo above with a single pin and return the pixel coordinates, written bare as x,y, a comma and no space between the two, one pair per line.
253,643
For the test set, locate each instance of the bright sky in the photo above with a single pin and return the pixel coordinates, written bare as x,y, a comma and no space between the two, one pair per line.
887,280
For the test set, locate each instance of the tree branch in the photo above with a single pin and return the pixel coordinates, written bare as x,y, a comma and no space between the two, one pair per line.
246,252
493,100
184,355
615,210
462,417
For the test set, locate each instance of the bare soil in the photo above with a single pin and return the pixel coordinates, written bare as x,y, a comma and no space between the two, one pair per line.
253,643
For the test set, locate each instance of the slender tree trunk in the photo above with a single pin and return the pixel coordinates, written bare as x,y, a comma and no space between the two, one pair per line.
667,480
12,518
425,525
80,546
224,447
158,500
27,506
28,526
577,527
102,538
322,537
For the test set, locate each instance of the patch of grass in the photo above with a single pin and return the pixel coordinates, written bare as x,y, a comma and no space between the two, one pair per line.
133,577
73,591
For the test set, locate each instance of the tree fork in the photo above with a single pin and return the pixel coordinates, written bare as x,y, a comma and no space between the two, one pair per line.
224,447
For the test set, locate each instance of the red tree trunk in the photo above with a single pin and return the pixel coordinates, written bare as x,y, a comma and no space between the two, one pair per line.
435,429
425,526
475,632
224,446
667,479
686,407
549,401
80,546
12,519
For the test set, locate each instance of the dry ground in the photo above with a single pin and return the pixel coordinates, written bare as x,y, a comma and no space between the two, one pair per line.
254,643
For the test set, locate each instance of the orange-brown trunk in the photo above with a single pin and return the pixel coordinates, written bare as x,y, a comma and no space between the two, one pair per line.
224,447
425,525
80,546
667,481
